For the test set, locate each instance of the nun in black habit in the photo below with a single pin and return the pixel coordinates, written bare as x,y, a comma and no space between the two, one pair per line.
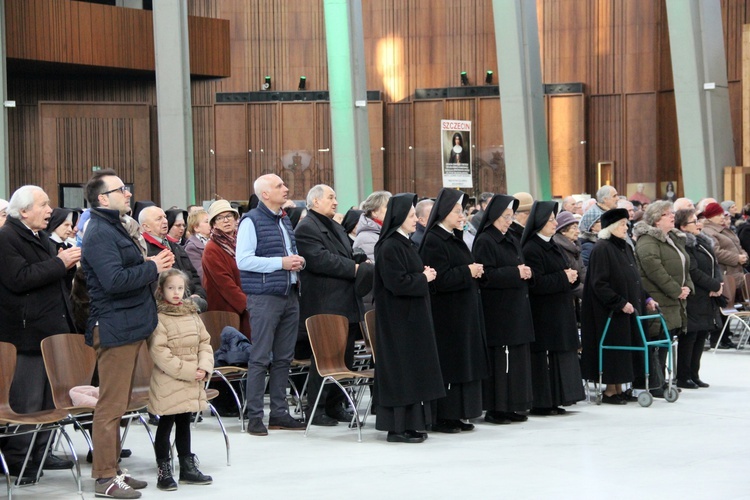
555,370
456,313
507,314
408,380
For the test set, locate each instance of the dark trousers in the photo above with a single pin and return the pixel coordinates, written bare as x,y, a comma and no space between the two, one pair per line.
332,398
29,392
162,445
689,352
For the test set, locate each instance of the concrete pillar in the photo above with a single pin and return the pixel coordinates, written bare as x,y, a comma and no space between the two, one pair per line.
174,111
4,156
522,97
352,171
701,92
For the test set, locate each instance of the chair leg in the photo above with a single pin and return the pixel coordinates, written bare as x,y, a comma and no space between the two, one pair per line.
74,457
223,430
721,335
240,406
6,471
356,412
145,425
83,431
315,406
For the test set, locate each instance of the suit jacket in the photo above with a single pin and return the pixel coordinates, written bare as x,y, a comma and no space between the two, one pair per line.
327,282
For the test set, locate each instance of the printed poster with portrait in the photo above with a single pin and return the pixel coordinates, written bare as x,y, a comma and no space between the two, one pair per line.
456,142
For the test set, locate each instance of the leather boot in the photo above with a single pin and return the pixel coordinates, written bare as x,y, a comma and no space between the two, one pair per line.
164,480
189,472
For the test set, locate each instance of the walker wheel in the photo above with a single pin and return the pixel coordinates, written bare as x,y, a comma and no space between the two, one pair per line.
645,399
671,394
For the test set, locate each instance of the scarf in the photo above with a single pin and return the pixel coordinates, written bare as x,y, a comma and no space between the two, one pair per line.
227,241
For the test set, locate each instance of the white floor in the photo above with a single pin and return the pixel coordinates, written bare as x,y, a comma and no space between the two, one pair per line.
697,447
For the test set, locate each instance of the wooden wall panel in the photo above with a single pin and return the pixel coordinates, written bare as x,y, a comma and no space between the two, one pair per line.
231,153
203,144
324,159
735,109
489,154
668,158
400,174
605,139
377,152
566,130
640,137
296,163
23,152
640,53
567,40
427,165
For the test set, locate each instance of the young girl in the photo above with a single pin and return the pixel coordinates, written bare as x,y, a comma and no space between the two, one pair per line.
181,349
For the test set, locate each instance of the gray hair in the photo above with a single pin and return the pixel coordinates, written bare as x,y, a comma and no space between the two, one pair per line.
316,192
604,192
655,210
424,206
22,199
375,201
624,203
260,184
145,213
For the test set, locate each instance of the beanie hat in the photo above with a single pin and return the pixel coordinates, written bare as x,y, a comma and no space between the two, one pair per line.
565,219
611,216
712,209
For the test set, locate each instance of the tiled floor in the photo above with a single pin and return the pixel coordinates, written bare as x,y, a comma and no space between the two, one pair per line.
698,447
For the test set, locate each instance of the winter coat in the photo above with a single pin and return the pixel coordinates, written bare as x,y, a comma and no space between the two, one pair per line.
221,280
194,250
702,310
179,346
234,349
33,295
118,279
456,308
555,325
663,273
368,232
587,241
572,252
613,281
181,262
505,296
727,249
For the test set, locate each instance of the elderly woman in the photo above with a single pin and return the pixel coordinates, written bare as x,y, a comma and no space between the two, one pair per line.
370,222
702,307
589,227
200,230
408,379
507,313
3,211
665,275
221,277
60,230
456,313
351,219
177,222
566,237
613,288
555,370
726,244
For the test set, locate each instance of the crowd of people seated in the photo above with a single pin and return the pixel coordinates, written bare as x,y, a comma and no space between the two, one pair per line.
493,310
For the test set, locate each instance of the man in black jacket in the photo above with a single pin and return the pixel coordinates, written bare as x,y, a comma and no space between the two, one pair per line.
33,305
327,287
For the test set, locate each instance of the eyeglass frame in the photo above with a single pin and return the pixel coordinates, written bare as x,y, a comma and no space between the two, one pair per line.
225,218
122,189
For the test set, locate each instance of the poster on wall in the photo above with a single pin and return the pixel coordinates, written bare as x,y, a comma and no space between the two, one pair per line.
456,142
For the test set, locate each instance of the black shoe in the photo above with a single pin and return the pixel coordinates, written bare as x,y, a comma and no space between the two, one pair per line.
496,417
627,396
53,462
153,419
29,475
687,384
423,435
700,383
189,472
164,479
513,416
285,422
657,393
560,411
255,427
543,412
323,420
465,426
614,399
404,437
446,426
340,415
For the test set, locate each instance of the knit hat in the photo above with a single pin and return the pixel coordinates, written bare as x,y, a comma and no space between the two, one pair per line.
525,200
565,219
727,204
712,210
611,216
589,218
219,207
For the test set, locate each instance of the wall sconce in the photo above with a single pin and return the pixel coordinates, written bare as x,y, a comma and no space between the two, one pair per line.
464,78
267,83
488,77
302,83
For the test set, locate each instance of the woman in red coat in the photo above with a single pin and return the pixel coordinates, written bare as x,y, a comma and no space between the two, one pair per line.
221,277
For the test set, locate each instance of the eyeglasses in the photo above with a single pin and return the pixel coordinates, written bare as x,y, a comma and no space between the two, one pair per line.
693,221
123,189
224,218
507,217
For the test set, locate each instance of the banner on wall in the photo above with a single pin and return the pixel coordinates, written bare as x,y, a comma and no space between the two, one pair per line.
456,143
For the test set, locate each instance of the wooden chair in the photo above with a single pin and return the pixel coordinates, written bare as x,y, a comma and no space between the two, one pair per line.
328,334
731,313
215,321
369,332
40,421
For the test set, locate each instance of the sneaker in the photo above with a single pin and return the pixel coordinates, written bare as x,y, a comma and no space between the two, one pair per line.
255,427
285,422
115,487
134,483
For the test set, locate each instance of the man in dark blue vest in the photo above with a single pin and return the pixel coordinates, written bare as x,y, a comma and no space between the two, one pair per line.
269,270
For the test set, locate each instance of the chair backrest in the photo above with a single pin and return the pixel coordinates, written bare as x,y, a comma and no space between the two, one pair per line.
328,334
746,289
730,289
215,322
142,377
7,369
69,362
370,332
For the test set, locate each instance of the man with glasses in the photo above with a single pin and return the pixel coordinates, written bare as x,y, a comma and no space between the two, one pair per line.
123,315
